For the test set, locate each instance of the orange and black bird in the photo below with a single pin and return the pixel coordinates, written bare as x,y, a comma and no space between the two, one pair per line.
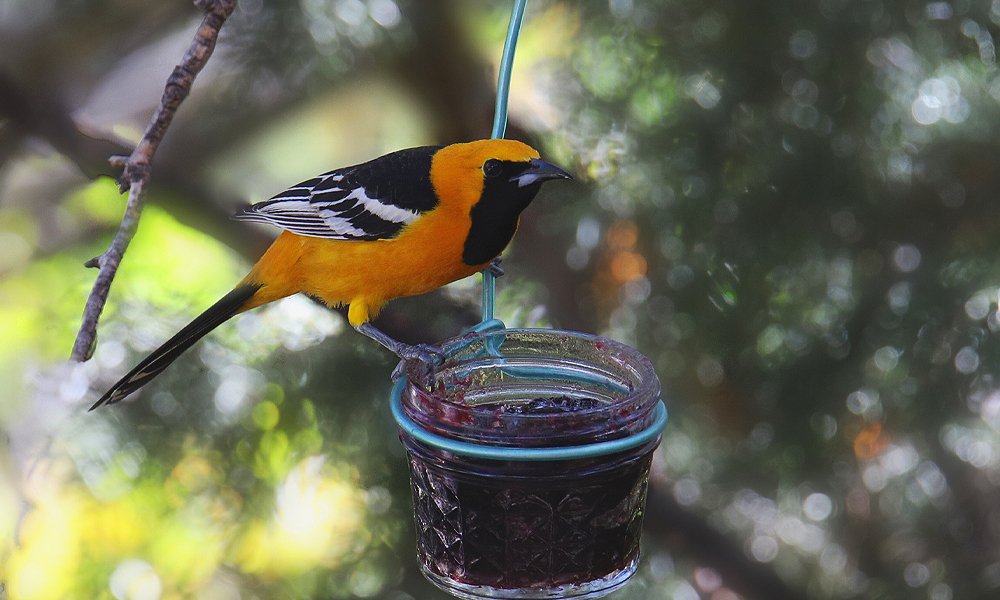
400,225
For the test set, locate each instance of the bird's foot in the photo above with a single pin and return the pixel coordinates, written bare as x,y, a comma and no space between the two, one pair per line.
425,353
496,267
430,355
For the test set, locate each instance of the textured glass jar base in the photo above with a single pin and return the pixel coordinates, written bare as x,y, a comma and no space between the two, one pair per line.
597,588
564,529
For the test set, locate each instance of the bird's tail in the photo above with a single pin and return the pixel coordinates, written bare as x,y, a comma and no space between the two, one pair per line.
234,302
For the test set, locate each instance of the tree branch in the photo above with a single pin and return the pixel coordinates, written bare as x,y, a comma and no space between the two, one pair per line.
136,169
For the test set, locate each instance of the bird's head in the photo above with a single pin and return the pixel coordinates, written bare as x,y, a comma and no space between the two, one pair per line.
493,180
505,171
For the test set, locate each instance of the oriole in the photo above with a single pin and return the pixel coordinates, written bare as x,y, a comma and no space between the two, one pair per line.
399,225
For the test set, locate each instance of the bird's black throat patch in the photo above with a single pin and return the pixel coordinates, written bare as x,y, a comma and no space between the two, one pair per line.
494,217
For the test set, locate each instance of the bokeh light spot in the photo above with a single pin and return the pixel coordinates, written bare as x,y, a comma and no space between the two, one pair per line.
817,506
967,360
906,258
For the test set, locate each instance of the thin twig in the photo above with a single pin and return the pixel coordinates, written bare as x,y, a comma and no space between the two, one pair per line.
136,170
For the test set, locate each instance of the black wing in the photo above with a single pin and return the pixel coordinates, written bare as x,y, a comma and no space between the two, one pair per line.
373,200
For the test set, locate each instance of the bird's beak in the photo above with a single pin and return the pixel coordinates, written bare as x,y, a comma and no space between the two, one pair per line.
539,170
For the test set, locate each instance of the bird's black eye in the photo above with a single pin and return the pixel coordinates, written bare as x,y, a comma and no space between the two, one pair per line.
492,167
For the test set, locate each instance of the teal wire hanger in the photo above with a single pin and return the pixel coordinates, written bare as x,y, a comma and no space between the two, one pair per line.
499,127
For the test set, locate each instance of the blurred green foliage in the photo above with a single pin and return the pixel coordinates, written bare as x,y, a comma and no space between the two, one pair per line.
788,206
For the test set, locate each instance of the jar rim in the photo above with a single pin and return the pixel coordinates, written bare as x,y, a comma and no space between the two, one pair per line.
486,451
486,389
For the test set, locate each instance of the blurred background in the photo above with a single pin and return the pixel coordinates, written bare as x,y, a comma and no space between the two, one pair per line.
789,206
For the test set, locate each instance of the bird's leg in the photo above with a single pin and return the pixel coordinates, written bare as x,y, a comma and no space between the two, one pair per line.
496,267
431,355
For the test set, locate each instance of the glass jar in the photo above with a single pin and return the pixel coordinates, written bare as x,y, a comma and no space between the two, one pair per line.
529,455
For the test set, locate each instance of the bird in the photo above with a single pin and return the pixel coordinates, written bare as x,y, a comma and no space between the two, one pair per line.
399,225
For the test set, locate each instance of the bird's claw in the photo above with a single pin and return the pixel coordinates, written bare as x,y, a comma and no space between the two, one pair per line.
398,372
496,267
426,353
430,355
